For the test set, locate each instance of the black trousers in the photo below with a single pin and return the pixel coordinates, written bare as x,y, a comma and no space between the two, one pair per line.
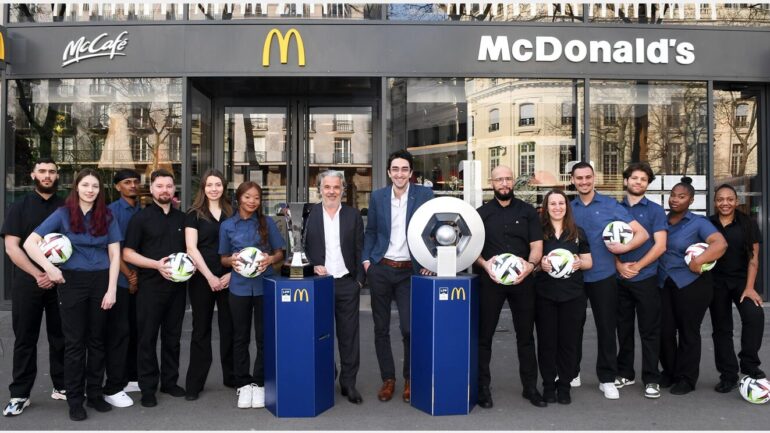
521,300
159,310
116,346
388,284
244,310
682,312
347,299
132,353
752,330
558,338
604,306
203,300
28,303
84,326
640,299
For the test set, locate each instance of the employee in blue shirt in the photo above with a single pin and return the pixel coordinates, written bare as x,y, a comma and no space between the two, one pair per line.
638,293
87,286
686,290
593,211
249,227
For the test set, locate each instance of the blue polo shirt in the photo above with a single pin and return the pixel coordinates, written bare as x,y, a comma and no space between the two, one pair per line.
592,218
689,230
89,253
653,218
123,212
237,233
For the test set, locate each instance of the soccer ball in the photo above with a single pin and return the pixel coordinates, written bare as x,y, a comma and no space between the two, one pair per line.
56,248
507,268
618,232
561,263
249,259
695,250
755,391
182,267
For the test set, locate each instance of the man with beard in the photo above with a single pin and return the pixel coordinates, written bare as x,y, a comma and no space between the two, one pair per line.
638,291
121,346
153,234
512,226
32,292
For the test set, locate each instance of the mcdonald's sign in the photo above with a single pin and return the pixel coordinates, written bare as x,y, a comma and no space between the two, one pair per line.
301,295
458,292
283,46
2,48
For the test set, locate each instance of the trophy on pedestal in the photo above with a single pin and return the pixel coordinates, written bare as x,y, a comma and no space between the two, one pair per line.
296,264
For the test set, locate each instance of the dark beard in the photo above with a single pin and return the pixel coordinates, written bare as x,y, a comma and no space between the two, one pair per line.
167,201
503,197
43,190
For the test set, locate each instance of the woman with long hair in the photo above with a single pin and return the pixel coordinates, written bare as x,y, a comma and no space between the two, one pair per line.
87,286
734,278
686,289
209,286
560,306
249,227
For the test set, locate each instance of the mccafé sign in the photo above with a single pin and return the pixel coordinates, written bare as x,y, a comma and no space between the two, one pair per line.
552,49
100,46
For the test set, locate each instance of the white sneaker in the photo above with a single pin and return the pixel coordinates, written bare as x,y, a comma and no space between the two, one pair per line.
15,406
132,387
119,399
620,382
652,390
609,390
245,396
59,394
575,383
258,397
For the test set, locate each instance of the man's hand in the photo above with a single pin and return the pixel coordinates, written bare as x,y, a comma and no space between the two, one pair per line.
618,248
320,270
488,267
162,267
527,267
43,281
427,272
133,277
627,270
225,280
366,266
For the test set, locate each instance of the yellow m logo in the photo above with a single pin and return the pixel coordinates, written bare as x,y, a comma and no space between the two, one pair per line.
283,45
2,48
459,292
302,295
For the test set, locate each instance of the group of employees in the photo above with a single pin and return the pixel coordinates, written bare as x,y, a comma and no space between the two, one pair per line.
107,305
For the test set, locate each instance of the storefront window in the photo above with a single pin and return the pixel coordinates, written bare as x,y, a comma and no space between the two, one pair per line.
72,12
78,122
709,14
239,11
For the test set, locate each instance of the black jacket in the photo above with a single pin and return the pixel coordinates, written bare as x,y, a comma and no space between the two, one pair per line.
352,242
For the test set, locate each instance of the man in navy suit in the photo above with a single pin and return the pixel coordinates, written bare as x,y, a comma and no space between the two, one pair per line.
389,264
333,247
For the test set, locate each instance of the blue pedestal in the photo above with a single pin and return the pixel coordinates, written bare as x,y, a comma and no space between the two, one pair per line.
299,345
444,344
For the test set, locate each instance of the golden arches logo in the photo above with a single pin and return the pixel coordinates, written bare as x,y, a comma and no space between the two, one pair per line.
458,292
283,46
2,48
302,295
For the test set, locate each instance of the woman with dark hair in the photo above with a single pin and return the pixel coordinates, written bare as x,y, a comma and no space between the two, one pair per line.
686,290
734,278
209,286
249,227
87,286
560,306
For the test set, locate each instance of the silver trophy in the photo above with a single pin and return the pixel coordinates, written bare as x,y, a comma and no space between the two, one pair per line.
297,263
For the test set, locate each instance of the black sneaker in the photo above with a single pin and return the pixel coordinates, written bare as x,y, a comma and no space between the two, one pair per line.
563,396
77,413
681,388
725,386
174,391
485,397
549,395
149,400
99,404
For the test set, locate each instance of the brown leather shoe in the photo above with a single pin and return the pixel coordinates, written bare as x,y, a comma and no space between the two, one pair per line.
386,392
407,392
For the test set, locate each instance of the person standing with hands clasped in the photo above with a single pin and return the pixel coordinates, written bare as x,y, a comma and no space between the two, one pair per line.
88,282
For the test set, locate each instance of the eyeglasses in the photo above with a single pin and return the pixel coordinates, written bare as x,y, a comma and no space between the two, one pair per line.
502,179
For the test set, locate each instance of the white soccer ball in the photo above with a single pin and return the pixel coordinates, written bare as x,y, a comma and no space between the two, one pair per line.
756,391
695,250
507,268
56,247
617,232
182,267
249,259
561,263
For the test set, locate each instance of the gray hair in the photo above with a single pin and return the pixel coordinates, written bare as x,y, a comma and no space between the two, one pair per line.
334,173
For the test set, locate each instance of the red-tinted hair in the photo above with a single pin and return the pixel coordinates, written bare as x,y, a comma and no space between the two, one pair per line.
101,217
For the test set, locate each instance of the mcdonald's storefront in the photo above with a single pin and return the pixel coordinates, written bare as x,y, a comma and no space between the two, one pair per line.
280,98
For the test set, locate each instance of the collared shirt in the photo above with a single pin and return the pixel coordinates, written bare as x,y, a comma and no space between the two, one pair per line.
592,218
335,263
509,229
208,239
653,218
237,233
156,234
563,289
733,267
23,217
122,211
398,249
89,252
691,229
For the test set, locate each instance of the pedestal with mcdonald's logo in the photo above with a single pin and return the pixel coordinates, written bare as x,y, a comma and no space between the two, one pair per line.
444,344
299,345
